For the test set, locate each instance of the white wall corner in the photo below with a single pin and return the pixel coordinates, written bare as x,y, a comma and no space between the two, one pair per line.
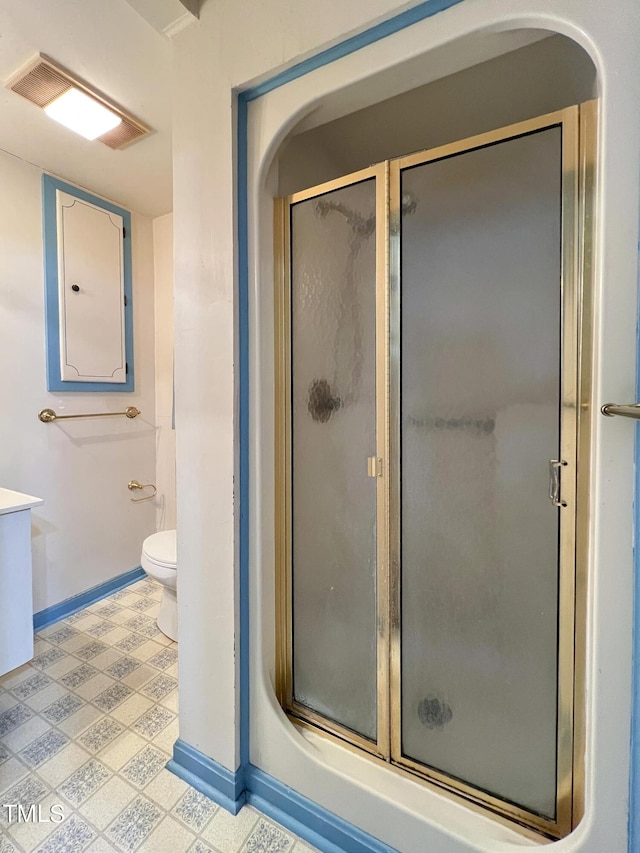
192,6
179,24
167,17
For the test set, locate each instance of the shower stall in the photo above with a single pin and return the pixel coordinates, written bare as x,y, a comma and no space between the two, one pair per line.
433,373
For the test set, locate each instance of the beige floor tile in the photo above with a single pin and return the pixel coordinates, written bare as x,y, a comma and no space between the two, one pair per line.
82,619
24,734
100,845
74,725
172,670
90,689
72,643
76,642
116,635
63,764
140,676
168,837
101,808
116,754
147,651
224,833
122,615
32,833
165,739
43,698
8,700
62,667
11,772
301,847
98,605
128,600
43,633
228,833
131,709
166,789
106,658
88,622
17,676
171,701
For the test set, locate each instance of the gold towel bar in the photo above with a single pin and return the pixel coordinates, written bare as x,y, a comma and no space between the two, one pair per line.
48,415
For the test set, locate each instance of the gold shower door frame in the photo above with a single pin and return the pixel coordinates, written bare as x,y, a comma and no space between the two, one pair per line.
578,167
284,562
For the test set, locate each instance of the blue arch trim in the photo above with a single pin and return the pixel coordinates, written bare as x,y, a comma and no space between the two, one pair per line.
351,45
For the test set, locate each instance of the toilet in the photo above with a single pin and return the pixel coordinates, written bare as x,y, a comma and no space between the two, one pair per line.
159,562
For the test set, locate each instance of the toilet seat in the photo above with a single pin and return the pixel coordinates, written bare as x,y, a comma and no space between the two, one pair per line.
160,549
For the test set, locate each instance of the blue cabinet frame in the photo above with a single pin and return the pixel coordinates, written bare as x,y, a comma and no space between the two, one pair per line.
52,306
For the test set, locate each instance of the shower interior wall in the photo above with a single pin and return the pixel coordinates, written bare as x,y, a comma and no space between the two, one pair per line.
539,78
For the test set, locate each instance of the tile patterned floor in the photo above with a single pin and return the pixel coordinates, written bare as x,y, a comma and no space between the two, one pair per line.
88,725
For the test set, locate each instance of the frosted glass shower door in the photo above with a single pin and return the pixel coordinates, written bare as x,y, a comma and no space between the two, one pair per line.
333,502
486,423
430,400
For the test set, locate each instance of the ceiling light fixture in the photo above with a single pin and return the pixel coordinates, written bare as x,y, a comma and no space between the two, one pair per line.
83,114
75,104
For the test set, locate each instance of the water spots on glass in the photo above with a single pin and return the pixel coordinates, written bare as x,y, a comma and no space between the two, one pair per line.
321,403
434,713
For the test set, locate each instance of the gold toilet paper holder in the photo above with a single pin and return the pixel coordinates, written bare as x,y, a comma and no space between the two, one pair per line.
134,485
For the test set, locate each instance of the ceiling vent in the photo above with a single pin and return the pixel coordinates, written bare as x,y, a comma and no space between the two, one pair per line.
43,80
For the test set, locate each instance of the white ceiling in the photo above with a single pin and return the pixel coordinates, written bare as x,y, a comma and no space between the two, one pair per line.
112,47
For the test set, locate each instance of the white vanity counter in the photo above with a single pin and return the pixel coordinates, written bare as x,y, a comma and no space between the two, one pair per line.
16,501
16,594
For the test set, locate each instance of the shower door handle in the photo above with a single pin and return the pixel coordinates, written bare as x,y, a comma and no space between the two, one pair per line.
629,410
554,481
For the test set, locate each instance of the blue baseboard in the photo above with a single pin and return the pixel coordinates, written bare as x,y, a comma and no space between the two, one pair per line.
207,776
321,828
56,612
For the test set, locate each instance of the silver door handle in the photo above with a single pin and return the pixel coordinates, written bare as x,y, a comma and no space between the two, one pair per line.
554,481
631,410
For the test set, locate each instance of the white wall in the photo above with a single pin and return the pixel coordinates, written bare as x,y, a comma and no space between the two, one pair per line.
233,43
165,438
88,530
237,43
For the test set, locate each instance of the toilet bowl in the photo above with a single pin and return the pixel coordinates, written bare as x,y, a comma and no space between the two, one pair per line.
159,562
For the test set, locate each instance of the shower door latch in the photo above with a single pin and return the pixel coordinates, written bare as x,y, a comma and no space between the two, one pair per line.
554,481
374,466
